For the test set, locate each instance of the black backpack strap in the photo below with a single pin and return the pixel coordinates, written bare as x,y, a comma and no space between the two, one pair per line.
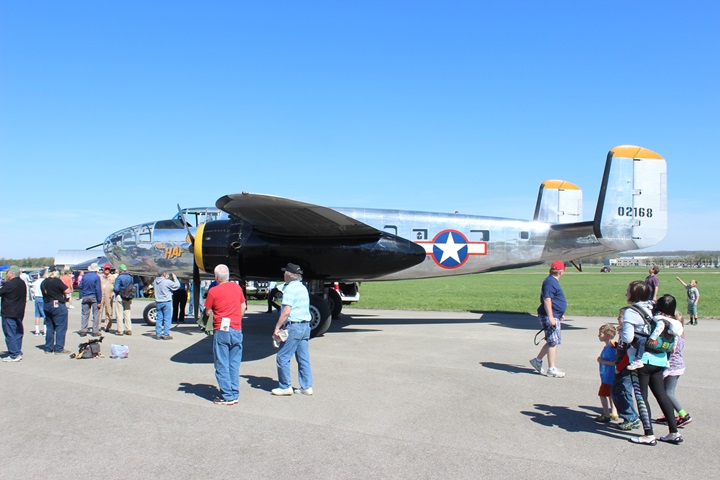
643,314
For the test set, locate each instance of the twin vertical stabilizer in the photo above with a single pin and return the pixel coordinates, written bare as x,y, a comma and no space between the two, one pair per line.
558,202
632,208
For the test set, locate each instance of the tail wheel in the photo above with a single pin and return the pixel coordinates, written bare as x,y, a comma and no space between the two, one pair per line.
150,314
335,303
320,316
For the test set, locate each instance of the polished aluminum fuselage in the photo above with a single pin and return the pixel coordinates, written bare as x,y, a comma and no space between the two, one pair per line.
479,244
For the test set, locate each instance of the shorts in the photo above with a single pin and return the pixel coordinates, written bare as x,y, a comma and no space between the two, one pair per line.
553,338
692,309
605,390
39,308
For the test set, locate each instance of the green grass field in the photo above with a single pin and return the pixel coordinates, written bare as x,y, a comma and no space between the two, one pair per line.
589,293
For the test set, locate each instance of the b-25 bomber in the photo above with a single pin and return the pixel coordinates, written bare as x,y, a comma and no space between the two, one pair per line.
256,235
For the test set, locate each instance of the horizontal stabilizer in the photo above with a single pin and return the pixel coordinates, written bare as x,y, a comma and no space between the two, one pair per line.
558,202
632,207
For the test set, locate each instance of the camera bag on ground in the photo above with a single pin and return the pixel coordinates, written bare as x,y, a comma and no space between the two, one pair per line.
89,349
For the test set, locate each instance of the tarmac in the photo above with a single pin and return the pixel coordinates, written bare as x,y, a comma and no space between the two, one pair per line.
398,394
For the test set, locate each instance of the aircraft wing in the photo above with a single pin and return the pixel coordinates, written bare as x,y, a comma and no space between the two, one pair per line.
284,217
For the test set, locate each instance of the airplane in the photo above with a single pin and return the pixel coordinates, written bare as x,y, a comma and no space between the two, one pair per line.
256,235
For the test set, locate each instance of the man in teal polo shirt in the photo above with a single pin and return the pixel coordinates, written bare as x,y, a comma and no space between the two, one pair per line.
295,315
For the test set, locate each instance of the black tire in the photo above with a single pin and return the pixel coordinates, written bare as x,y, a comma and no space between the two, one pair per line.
150,313
334,301
320,316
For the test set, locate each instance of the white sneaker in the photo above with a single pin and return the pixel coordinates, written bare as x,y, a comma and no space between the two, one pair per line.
304,391
537,365
554,372
282,392
10,359
635,365
71,306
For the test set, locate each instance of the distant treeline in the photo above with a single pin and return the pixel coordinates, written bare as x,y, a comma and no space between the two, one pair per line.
686,256
28,262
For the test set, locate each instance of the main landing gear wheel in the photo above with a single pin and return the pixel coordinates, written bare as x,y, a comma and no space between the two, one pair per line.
320,316
335,303
150,313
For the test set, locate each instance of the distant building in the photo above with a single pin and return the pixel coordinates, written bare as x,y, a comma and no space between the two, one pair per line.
673,261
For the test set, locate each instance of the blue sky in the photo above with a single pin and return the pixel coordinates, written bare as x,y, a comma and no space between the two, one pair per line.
113,112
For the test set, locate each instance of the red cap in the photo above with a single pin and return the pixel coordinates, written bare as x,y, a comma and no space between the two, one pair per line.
108,266
558,265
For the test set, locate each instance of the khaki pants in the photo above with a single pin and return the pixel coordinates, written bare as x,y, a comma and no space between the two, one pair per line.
107,313
122,314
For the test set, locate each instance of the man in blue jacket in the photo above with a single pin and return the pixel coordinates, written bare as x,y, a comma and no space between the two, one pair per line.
90,296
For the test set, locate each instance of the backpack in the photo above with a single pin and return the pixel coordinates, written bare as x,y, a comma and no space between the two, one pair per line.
665,344
89,349
206,322
128,293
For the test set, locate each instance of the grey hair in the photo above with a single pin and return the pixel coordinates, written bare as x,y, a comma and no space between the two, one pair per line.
294,276
222,272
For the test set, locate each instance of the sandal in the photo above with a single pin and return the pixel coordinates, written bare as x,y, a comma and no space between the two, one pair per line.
645,440
674,438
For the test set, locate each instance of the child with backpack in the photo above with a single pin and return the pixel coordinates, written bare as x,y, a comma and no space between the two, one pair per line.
664,331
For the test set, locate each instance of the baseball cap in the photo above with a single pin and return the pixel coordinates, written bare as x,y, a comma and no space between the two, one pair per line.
292,268
558,265
107,266
122,267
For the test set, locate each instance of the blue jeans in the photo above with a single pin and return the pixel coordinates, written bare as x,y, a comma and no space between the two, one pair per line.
296,344
623,397
163,319
56,322
13,330
227,352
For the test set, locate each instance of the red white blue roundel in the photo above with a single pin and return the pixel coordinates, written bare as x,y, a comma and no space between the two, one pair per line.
451,249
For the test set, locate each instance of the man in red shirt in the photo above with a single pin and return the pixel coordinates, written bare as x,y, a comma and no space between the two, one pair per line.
227,302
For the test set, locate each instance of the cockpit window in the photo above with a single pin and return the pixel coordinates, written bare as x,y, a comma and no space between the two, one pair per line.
129,237
145,233
196,216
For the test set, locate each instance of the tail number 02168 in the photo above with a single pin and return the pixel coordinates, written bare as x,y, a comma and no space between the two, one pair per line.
635,212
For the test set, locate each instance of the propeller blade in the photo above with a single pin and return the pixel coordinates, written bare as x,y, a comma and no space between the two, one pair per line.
187,225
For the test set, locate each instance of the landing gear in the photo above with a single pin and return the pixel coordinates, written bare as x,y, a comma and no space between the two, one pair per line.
320,316
334,302
150,313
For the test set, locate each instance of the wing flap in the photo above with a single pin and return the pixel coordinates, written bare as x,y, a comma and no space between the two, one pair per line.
290,218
